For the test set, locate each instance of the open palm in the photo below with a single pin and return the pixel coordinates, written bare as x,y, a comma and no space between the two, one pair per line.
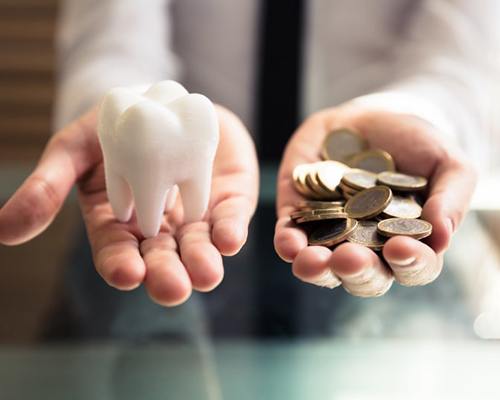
183,256
416,149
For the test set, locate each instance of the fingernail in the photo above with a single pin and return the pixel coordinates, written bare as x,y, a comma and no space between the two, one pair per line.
450,226
406,262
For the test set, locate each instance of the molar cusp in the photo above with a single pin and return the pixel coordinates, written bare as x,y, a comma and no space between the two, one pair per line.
165,92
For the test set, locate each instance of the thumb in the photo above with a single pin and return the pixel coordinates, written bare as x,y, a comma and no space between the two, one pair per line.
452,187
68,155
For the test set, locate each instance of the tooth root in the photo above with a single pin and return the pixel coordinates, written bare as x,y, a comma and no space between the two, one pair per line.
195,193
119,195
171,198
149,199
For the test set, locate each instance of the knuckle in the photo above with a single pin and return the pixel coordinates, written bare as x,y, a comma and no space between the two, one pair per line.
48,192
42,202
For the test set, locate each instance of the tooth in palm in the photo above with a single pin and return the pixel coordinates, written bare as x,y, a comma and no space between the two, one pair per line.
152,142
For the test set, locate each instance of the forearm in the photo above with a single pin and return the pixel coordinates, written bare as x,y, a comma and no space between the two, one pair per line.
444,72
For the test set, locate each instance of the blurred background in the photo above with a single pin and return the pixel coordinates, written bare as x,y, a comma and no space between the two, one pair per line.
31,274
33,288
32,283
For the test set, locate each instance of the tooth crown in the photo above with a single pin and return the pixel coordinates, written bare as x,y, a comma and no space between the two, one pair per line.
152,140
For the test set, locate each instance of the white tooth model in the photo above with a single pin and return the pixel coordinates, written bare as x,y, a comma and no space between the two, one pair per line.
153,140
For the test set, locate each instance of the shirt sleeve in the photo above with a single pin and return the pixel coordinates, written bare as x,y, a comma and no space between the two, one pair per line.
106,43
446,63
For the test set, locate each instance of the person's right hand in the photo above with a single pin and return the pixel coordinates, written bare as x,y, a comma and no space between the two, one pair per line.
415,146
183,256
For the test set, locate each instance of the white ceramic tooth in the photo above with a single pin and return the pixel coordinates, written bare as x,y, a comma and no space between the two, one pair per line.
153,140
171,198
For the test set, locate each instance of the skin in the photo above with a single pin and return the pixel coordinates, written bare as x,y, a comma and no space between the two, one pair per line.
415,146
186,257
182,257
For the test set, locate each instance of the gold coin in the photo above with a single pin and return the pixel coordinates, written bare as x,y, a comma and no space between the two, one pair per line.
347,189
359,179
366,234
299,179
373,160
329,234
341,144
309,187
369,202
402,182
320,192
321,217
403,207
303,213
348,196
315,204
415,228
329,174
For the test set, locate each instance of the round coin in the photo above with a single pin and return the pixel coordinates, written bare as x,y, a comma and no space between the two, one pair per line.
368,203
321,193
329,234
341,144
299,179
403,207
366,234
373,160
415,228
313,184
347,189
304,213
329,174
402,182
359,179
321,217
315,204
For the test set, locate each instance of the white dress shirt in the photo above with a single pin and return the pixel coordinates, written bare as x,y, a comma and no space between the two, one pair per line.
432,58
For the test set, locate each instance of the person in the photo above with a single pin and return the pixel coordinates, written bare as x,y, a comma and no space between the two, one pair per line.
411,76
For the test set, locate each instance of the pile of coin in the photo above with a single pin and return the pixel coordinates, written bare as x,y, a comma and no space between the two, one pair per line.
355,194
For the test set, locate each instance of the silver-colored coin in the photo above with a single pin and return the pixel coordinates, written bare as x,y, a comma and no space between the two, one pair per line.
415,228
366,234
342,144
359,179
403,207
402,182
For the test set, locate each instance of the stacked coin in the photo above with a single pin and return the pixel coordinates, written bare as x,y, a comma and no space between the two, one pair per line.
355,194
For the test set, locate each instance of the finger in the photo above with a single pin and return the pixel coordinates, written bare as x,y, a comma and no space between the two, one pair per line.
201,258
289,240
167,281
31,209
452,187
412,262
235,185
361,271
115,246
303,148
311,266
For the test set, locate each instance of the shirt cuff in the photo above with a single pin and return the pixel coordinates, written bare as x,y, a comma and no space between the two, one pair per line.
405,103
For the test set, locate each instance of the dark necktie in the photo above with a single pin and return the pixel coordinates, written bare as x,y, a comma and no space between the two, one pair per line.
277,112
279,74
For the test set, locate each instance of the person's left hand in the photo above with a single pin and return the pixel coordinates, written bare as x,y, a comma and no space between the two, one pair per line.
416,148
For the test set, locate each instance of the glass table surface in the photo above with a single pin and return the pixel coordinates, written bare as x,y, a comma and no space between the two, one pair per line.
264,335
